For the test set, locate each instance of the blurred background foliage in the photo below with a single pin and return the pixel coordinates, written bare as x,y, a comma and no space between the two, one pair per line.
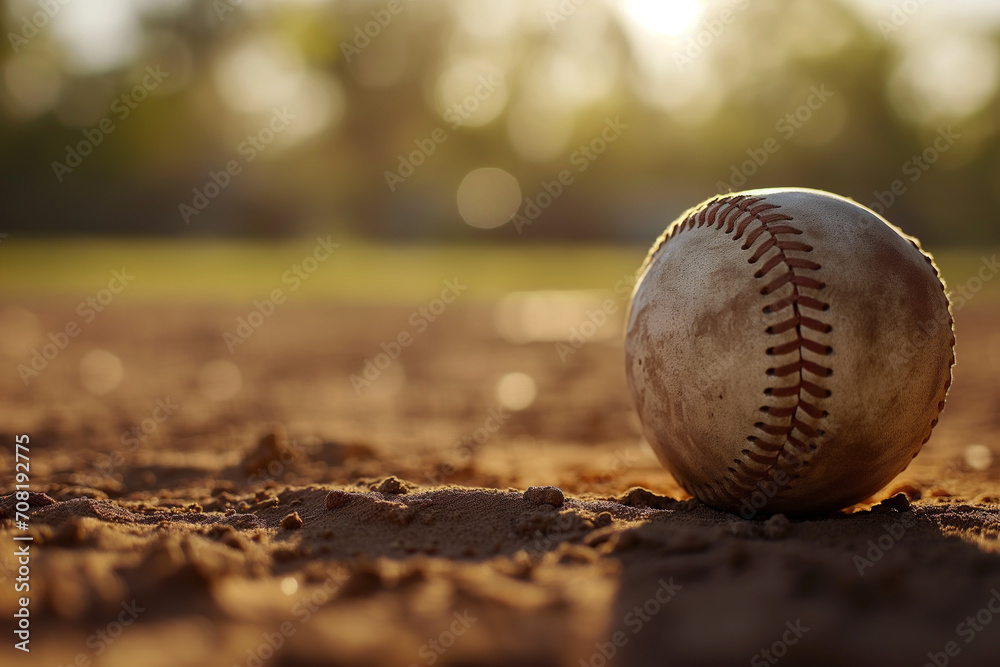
706,95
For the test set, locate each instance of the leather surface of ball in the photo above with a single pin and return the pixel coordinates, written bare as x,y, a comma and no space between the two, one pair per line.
787,350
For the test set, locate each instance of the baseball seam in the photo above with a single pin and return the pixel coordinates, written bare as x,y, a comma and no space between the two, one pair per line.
737,214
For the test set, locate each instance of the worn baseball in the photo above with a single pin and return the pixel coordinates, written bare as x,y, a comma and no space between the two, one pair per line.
788,350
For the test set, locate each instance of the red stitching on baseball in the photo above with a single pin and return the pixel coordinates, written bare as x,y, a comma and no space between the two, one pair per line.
781,229
763,248
754,235
700,218
743,227
766,446
802,427
772,429
773,217
800,263
794,245
710,217
735,207
770,264
737,214
812,410
814,304
757,457
777,283
806,281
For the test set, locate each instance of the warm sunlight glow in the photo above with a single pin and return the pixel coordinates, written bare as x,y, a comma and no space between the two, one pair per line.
664,17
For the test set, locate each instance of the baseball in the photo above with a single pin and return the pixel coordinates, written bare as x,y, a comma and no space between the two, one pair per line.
787,350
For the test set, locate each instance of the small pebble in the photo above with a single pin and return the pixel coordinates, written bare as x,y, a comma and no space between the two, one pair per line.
549,495
603,519
393,486
292,521
336,499
899,502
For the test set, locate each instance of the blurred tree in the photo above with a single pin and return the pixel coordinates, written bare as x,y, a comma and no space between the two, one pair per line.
730,94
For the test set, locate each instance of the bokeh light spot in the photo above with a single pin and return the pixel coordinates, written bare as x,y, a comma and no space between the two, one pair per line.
471,93
263,74
98,35
950,76
289,585
488,197
516,391
100,371
978,457
556,315
487,19
259,74
663,17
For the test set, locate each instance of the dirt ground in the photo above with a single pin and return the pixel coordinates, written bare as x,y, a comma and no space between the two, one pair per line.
184,524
